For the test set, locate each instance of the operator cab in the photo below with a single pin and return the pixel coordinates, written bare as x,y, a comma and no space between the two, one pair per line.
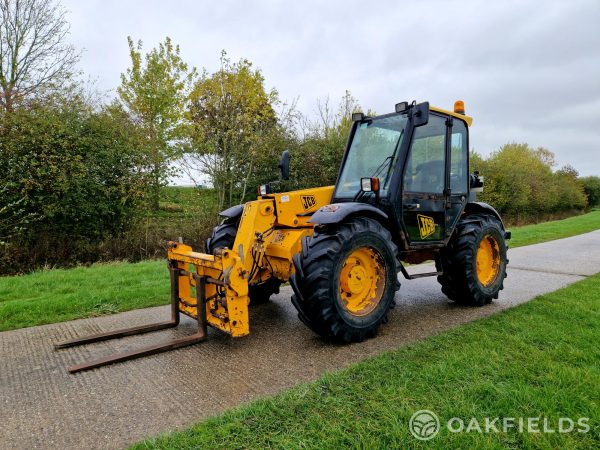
413,165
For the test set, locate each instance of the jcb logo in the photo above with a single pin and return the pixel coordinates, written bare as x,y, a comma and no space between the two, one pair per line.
426,226
308,201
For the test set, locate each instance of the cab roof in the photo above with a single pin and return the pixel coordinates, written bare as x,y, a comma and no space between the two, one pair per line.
467,119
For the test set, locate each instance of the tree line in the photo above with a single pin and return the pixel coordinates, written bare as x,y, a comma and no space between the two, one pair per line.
525,186
81,171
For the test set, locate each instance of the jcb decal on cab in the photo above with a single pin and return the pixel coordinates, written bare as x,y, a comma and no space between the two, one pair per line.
308,201
426,226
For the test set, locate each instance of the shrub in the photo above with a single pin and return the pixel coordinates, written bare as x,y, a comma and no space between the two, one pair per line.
74,170
591,186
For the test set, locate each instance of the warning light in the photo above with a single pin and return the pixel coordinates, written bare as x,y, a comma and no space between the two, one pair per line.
459,107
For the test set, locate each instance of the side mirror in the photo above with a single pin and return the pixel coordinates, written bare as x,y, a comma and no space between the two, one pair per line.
419,114
284,165
476,182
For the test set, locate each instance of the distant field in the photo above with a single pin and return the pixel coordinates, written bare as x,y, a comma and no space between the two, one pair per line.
528,362
64,294
176,201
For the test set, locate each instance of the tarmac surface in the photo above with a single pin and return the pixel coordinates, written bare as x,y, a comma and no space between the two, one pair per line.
42,406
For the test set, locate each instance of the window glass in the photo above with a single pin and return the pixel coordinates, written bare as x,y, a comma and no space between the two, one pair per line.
372,153
459,170
426,163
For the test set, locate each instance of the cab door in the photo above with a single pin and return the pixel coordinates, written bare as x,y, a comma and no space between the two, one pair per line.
424,197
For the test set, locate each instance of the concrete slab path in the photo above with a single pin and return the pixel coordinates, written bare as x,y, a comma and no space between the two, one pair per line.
42,406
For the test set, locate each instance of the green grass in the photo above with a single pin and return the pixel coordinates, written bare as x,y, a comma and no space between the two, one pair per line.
540,359
58,295
556,229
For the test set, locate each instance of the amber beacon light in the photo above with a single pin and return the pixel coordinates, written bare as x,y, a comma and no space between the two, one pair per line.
459,107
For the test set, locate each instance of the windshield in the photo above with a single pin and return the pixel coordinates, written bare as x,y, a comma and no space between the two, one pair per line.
373,153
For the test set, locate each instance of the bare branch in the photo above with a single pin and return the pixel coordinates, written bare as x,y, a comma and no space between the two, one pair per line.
34,54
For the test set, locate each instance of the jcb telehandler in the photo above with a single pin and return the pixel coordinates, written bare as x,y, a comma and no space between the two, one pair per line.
403,194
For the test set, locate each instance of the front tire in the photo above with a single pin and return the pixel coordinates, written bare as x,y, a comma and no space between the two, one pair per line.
224,236
345,279
474,262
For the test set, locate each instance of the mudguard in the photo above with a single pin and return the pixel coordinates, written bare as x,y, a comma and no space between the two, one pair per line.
481,207
232,213
336,212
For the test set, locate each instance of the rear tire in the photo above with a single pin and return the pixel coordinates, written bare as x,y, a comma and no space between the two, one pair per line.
224,236
474,261
345,279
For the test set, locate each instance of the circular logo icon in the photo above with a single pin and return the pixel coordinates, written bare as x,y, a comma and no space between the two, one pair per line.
424,425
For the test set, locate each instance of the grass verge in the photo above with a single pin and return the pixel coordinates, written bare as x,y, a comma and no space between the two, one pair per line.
537,360
557,229
64,294
56,295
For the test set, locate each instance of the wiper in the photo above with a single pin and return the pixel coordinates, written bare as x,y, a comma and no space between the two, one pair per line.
382,166
377,172
386,162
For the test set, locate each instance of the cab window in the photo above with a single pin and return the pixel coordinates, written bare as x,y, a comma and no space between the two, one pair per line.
425,166
459,163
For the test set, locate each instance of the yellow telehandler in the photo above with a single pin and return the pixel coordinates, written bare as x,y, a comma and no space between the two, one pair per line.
403,194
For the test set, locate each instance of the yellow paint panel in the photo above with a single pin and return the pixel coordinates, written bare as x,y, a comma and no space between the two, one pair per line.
258,217
283,244
294,208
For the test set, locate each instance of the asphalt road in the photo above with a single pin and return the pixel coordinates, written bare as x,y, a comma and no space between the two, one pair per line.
42,406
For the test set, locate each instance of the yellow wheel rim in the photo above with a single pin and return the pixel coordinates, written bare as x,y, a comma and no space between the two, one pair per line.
362,281
488,260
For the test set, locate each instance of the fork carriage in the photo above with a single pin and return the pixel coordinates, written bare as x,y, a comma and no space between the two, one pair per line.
210,289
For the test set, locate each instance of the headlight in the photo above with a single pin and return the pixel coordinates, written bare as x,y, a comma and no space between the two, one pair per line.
369,184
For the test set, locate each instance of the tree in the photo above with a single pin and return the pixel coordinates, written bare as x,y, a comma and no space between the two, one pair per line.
319,151
155,92
476,162
570,190
591,186
235,128
34,56
520,182
517,180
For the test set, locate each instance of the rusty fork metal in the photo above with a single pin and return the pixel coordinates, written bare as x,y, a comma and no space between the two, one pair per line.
195,338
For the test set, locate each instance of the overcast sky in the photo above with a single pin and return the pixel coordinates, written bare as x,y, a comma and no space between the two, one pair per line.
528,71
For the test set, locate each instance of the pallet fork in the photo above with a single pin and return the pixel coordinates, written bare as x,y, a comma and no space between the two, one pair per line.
207,269
195,338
